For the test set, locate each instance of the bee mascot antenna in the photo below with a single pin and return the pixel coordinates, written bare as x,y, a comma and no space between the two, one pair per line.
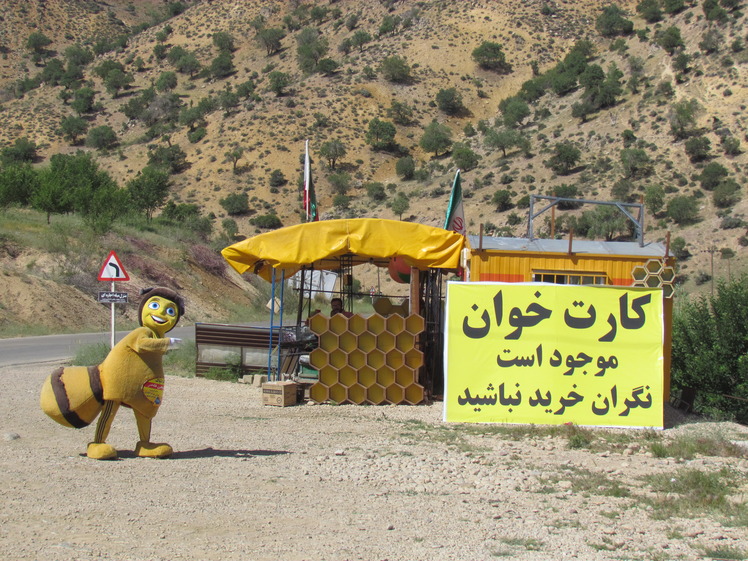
131,375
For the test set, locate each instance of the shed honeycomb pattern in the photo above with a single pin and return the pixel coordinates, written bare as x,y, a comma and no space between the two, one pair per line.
655,274
367,360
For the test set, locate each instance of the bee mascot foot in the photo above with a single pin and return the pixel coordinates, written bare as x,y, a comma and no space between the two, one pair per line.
101,451
153,450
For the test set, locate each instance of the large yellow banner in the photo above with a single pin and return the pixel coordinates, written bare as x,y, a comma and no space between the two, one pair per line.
552,354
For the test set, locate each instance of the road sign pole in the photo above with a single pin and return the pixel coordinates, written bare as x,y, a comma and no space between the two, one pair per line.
112,305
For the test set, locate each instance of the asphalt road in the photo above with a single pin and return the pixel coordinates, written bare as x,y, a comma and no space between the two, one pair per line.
50,348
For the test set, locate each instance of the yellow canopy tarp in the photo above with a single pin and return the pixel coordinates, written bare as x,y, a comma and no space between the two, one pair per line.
363,240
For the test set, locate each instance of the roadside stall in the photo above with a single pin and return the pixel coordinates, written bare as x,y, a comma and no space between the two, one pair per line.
392,356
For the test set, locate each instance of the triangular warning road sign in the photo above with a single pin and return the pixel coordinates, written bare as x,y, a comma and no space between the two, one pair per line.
112,270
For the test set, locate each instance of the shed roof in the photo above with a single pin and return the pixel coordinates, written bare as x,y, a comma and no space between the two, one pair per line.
592,247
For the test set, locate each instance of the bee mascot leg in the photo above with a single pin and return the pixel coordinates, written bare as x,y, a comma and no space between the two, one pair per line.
99,449
146,448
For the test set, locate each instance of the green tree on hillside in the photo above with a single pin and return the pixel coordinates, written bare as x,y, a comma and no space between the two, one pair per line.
503,139
380,134
332,151
72,128
400,204
148,190
396,69
271,39
490,56
612,22
278,82
224,41
18,183
311,48
436,138
566,156
449,100
514,110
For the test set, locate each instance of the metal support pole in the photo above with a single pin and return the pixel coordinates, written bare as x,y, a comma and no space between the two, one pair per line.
272,319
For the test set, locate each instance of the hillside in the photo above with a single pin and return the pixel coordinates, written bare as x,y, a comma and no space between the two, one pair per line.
435,39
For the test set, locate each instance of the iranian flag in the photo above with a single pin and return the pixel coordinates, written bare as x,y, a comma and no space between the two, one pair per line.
310,200
455,214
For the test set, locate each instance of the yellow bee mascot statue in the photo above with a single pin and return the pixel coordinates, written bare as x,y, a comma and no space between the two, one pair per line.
131,375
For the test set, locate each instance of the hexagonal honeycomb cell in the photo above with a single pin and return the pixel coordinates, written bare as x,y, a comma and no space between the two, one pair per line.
347,376
668,290
414,394
414,358
395,324
338,324
328,375
357,394
395,394
337,359
394,359
375,395
356,359
318,392
383,306
405,376
328,341
357,324
385,341
385,377
375,359
414,324
347,342
318,358
367,377
639,273
653,266
338,393
405,341
375,324
318,324
667,274
653,281
367,342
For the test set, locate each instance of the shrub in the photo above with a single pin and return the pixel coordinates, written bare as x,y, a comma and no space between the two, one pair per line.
101,138
267,221
726,194
710,343
502,199
235,204
406,167
683,209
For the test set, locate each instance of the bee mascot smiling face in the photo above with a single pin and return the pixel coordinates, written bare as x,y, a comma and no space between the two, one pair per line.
131,375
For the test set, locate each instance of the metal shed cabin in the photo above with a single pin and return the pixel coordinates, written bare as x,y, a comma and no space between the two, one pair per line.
577,262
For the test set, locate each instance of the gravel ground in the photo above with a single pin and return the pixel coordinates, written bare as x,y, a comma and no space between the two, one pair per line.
333,483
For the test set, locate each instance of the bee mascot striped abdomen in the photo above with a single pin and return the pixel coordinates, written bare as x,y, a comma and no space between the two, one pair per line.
73,396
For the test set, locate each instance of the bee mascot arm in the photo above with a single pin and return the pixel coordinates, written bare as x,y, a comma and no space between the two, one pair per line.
131,375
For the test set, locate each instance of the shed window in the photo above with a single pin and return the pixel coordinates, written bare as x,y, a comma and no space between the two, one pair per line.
569,277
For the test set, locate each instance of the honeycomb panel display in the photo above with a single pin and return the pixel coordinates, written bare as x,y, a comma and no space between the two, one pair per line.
655,274
328,341
328,375
318,392
367,377
347,376
414,394
338,393
367,360
357,394
376,395
318,358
